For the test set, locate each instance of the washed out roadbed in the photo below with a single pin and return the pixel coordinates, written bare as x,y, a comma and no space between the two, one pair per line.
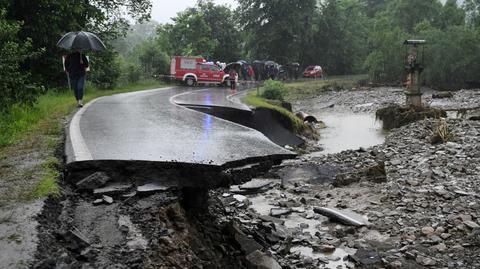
420,200
406,203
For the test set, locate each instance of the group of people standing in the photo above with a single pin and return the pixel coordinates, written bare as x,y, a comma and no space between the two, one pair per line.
247,73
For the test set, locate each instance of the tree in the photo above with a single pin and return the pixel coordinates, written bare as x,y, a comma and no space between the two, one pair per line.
14,84
408,13
224,30
276,27
44,22
189,35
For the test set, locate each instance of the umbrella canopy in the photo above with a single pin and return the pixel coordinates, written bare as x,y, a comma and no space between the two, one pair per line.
81,41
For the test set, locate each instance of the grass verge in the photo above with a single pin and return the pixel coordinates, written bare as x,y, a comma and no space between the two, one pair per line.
252,99
306,89
48,185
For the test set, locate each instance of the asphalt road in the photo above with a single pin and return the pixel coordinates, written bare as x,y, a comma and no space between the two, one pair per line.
152,126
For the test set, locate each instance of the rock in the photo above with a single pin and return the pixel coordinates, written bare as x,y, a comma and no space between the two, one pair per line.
277,212
465,217
240,198
442,95
324,248
367,259
152,187
260,260
426,261
395,265
112,189
98,202
471,224
107,199
428,230
413,182
247,244
272,219
76,239
93,181
445,236
343,216
440,247
256,185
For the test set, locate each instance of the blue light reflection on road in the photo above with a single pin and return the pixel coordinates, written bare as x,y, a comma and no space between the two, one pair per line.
206,128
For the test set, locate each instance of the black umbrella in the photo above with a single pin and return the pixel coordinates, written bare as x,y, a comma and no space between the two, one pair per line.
81,41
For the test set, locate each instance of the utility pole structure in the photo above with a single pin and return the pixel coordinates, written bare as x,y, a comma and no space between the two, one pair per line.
414,67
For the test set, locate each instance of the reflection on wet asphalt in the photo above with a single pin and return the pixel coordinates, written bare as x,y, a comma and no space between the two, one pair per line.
146,126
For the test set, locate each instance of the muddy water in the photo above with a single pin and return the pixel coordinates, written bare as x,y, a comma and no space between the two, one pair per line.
349,131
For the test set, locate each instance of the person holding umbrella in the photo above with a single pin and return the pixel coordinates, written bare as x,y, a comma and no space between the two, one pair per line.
76,62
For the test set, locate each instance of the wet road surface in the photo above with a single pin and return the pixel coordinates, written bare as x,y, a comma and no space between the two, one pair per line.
151,126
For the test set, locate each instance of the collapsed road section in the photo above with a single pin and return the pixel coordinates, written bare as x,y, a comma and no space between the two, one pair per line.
138,171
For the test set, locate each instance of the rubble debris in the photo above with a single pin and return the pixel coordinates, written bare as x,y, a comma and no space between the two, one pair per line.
395,116
107,199
260,260
277,212
115,188
93,181
152,187
343,216
247,244
441,95
256,184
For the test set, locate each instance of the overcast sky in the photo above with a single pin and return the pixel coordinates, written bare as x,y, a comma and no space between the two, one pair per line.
163,10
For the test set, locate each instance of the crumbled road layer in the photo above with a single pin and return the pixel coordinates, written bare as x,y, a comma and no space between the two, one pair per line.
150,231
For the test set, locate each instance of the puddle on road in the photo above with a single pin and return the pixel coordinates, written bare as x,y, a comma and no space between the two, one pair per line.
349,131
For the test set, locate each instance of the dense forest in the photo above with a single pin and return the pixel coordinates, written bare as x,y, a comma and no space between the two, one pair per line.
343,36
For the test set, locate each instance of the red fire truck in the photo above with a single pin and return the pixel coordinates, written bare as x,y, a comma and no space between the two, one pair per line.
193,70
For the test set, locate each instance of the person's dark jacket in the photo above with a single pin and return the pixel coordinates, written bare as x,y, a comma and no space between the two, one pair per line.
74,66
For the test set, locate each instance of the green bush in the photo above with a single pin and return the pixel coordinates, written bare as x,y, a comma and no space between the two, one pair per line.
14,83
274,90
133,73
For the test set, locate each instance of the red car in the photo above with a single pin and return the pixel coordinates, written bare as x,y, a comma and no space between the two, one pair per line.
193,70
313,71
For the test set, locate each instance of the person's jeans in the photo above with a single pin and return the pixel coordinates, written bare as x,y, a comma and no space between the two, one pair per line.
78,85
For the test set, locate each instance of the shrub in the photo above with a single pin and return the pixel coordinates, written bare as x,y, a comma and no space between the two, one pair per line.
274,90
14,83
133,73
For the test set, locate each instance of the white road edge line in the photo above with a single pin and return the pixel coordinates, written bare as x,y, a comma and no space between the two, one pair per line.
79,147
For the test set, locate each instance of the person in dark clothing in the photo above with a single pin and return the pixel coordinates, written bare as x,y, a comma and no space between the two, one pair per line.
76,65
232,76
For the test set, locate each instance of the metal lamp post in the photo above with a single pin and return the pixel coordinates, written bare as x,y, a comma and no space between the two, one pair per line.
414,67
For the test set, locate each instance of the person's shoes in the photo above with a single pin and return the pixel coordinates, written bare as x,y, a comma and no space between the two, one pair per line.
80,103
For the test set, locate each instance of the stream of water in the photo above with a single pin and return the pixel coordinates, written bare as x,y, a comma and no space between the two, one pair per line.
349,131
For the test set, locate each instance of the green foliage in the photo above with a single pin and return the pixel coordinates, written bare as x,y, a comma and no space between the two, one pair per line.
153,60
14,84
104,74
207,29
48,185
274,90
133,73
277,29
